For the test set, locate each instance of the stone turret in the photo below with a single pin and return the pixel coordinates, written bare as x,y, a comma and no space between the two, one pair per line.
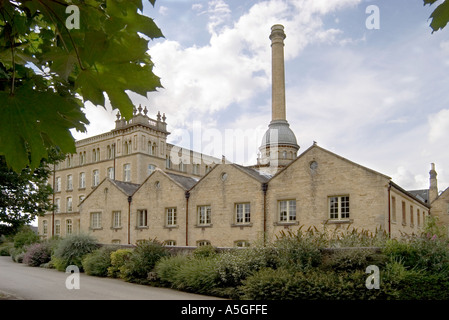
433,189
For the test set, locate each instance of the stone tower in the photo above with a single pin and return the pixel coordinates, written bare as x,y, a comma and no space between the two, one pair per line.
279,146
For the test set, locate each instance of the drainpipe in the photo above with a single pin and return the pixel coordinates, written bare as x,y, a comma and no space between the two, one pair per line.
264,189
53,213
130,199
187,195
389,210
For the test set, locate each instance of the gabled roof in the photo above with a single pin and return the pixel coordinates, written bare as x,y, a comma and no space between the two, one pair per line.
259,176
183,182
127,188
186,182
315,146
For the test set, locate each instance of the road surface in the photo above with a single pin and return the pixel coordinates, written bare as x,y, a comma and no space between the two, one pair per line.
19,281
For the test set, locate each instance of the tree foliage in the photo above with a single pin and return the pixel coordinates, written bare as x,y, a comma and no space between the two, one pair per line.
440,16
50,66
24,195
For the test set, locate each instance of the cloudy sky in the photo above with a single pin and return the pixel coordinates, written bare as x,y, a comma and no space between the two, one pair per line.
377,96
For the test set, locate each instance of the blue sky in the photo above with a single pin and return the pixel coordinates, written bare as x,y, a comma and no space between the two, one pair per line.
375,96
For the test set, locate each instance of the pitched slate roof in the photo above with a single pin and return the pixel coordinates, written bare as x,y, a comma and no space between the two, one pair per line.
185,182
127,187
422,195
261,177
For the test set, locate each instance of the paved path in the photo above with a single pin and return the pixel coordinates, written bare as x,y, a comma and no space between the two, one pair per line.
23,282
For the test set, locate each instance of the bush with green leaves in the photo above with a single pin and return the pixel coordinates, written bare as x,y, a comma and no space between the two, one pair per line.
205,251
17,254
118,260
25,237
38,254
5,249
236,265
430,254
197,275
142,261
97,262
167,268
71,251
300,251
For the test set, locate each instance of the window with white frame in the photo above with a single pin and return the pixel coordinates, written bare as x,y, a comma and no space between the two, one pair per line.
69,182
45,227
116,219
339,207
241,243
57,205
95,220
82,182
58,184
242,213
151,168
196,169
204,213
142,218
287,210
201,243
69,204
111,173
95,178
68,226
127,172
57,227
170,214
168,162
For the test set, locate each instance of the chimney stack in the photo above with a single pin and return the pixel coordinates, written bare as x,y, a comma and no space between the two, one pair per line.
277,37
433,189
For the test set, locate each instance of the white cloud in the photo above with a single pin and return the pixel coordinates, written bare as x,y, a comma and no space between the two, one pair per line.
235,65
163,10
439,126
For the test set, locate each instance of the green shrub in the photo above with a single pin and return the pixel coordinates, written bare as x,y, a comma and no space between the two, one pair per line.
71,251
430,254
198,275
236,265
37,254
97,262
17,254
142,261
25,237
205,251
5,249
351,259
167,268
118,260
300,252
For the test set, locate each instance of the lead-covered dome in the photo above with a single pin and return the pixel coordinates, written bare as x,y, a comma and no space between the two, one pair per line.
279,134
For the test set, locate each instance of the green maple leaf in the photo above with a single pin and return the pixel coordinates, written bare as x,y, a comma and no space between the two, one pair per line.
440,16
45,69
28,128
